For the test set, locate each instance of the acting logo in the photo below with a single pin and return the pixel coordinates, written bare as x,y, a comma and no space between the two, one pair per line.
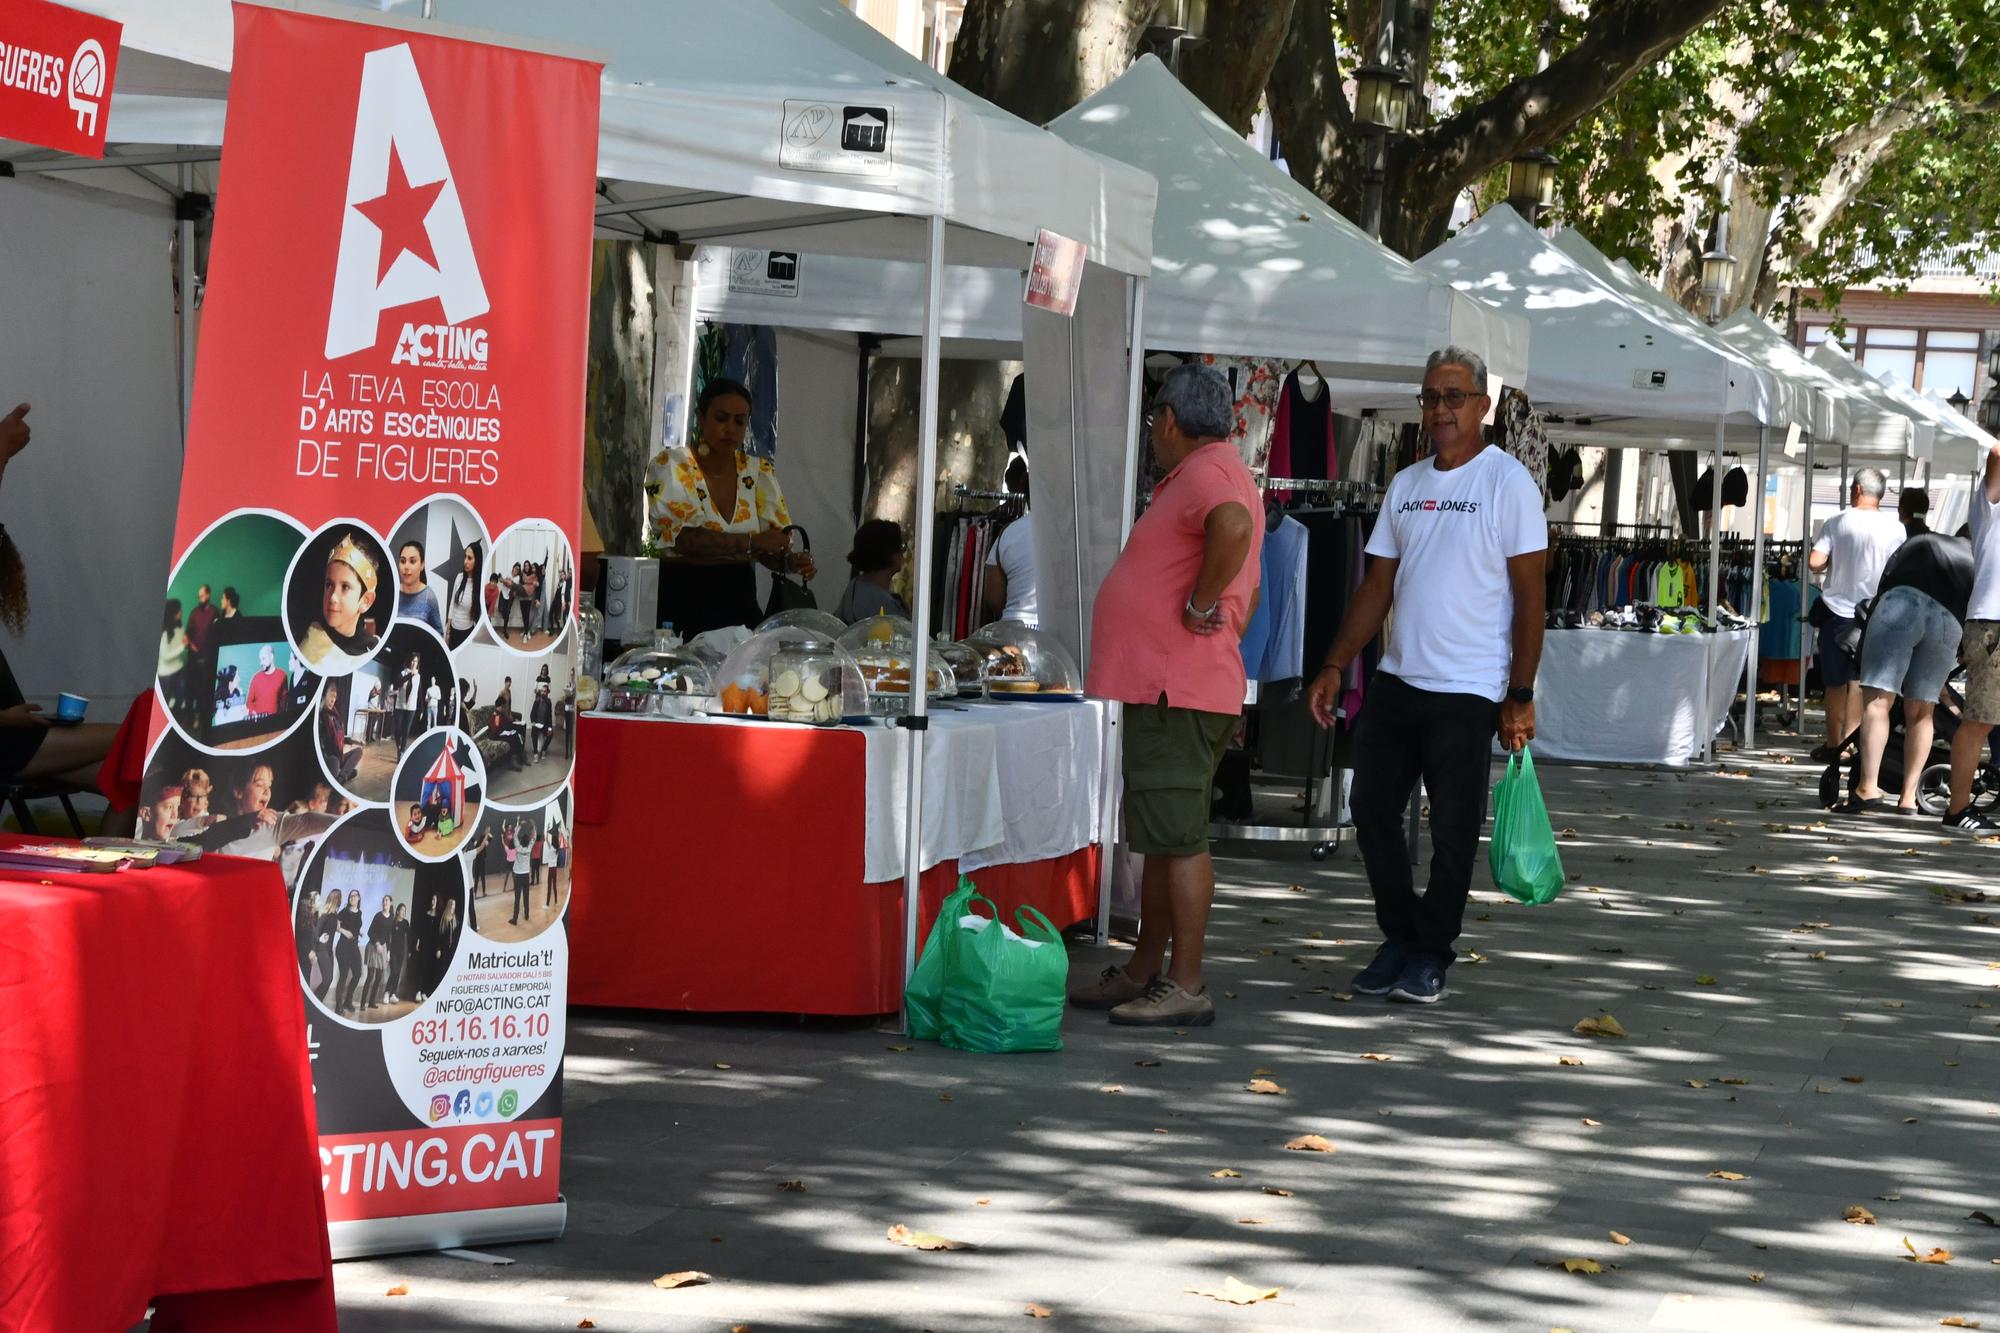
440,1107
86,84
509,1102
483,1104
402,235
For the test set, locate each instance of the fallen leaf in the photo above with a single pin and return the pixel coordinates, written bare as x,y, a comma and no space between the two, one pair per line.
944,1096
1859,1216
586,1323
1112,1087
720,1065
982,1202
916,1240
1376,1055
1226,1173
686,1278
1817,957
1569,1060
1735,1082
1620,1238
1892,1004
1236,1293
792,1186
1147,1064
1852,1078
1958,1321
1932,1256
1038,1311
1696,1083
1978,1216
1588,1267
1727,1175
400,1289
1909,1120
1229,995
1273,1189
1594,1124
1343,995
900,1049
1602,1025
1310,1143
1756,1277
1264,1086
1705,979
1251,1222
1298,888
1890,1198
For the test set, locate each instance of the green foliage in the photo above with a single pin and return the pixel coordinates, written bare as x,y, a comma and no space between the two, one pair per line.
1789,89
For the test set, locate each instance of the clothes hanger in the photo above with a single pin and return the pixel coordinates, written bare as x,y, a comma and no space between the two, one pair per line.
1312,383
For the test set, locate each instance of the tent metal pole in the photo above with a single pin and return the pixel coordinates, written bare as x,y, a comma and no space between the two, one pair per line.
926,519
1714,594
1756,586
1805,585
1845,484
185,274
1114,716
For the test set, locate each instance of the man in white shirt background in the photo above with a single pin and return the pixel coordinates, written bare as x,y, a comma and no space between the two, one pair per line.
1460,550
1853,548
1981,650
1010,565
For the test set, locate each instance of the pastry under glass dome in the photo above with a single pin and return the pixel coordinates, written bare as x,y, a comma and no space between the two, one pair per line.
657,681
1024,663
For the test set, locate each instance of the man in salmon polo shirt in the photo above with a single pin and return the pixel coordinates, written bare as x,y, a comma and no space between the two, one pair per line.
1459,549
1165,641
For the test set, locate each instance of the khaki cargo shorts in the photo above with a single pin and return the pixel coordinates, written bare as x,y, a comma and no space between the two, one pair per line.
1171,755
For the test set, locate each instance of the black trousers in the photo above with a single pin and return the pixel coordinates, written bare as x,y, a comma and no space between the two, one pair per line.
1447,740
523,904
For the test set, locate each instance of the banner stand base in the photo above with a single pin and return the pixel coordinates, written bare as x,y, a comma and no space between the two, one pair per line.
444,1231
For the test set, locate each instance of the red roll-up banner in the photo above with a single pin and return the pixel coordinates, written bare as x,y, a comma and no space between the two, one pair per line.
366,654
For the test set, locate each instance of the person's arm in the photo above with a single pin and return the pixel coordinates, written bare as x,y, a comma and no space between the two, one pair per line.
996,591
14,434
1364,620
1528,575
1226,536
1992,475
1821,554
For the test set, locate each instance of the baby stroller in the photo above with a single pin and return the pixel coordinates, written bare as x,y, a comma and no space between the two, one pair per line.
1934,787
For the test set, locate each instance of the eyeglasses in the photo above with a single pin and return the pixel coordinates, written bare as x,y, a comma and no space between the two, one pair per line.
1451,398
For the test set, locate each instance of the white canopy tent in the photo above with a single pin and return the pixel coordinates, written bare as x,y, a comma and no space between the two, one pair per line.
1958,445
725,124
1613,365
1246,261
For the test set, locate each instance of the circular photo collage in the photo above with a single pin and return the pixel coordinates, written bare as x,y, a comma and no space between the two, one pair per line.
423,677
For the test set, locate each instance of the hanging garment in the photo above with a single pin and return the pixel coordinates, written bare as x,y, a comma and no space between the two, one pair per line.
1255,385
1523,435
1274,644
1302,437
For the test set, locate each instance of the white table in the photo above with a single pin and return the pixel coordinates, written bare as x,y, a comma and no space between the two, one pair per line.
1627,697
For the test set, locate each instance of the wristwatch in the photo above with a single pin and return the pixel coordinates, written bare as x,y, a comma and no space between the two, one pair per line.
1521,694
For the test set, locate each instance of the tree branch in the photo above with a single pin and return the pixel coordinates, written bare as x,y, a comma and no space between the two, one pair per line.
1309,107
1227,68
1624,37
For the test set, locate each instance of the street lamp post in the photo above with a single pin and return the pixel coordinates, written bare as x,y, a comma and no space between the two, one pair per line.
1959,402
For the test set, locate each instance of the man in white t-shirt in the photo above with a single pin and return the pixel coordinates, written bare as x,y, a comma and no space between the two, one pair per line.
1460,550
1010,565
1981,650
1853,549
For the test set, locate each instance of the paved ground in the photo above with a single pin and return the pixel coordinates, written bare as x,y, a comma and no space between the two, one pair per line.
1828,988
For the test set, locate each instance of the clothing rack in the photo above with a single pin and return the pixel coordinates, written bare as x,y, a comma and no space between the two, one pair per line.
1005,503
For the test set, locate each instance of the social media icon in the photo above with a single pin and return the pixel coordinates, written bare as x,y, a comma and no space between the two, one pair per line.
509,1102
440,1107
461,1103
482,1104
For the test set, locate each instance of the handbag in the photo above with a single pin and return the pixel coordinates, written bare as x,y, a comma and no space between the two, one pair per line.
788,593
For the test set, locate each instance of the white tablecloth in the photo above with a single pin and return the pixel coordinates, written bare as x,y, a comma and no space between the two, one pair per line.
1003,784
1620,696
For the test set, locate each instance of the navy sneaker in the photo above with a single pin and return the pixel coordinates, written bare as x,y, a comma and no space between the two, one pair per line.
1422,981
1380,975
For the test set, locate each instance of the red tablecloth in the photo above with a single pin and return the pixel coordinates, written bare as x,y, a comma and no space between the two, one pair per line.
157,1138
719,869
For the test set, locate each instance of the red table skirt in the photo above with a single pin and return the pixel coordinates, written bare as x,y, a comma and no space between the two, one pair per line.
157,1139
719,870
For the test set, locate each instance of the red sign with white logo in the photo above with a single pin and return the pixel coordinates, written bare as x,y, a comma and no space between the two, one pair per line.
1055,276
56,66
387,422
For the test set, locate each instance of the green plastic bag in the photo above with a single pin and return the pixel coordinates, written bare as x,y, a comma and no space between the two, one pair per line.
1523,853
924,996
1003,991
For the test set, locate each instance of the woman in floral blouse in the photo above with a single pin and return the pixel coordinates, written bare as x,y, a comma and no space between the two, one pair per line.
706,578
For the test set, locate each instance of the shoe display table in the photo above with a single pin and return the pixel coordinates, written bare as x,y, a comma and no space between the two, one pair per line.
1631,697
745,866
158,1130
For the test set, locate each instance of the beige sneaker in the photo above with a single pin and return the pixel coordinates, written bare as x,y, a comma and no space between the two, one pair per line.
1166,1005
1111,989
